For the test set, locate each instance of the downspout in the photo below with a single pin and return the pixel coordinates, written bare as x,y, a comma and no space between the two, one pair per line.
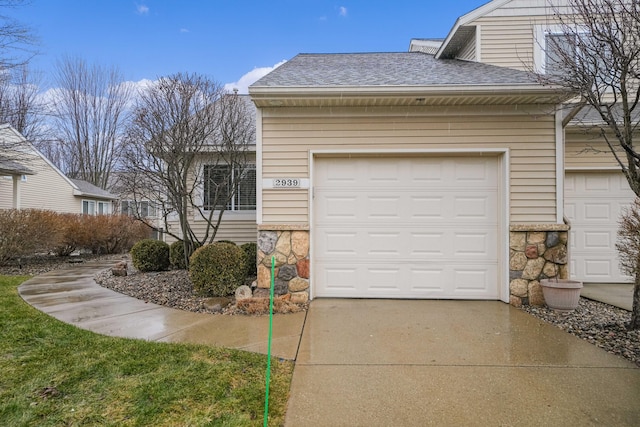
559,131
259,166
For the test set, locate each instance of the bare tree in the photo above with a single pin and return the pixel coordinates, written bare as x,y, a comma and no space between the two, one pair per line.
16,99
16,39
20,105
90,111
597,56
188,147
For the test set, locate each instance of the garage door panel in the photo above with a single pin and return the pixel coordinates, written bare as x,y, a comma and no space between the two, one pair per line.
422,207
415,228
383,207
473,173
596,212
593,205
471,244
471,280
472,207
598,240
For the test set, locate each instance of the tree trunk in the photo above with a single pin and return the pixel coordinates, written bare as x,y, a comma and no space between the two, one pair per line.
635,311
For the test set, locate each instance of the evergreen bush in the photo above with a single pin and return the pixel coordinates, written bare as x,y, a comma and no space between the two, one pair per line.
216,270
150,255
251,254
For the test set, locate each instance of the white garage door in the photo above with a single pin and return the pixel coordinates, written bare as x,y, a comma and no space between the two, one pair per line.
419,227
593,203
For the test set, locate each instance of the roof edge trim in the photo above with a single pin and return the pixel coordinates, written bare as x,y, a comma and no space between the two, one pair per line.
468,17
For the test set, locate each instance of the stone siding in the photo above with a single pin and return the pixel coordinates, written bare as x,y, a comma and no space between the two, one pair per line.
535,252
290,250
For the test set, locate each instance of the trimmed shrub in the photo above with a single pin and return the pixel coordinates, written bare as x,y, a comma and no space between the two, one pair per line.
176,255
216,270
150,255
251,254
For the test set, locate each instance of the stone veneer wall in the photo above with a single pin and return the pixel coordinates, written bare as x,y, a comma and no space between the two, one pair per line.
535,252
290,246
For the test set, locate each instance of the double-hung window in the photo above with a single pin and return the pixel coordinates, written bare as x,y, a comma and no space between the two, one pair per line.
92,207
143,209
218,182
560,49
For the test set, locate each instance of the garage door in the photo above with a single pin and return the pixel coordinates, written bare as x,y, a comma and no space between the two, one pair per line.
593,203
419,227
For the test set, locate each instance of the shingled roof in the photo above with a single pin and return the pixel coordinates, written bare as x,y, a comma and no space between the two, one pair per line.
388,69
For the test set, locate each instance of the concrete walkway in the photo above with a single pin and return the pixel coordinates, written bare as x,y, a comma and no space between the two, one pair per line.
71,295
386,362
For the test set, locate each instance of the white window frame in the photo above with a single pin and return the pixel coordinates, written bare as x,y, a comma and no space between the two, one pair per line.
234,202
152,208
540,34
96,207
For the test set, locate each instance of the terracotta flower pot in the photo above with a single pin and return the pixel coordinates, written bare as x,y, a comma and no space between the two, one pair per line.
561,294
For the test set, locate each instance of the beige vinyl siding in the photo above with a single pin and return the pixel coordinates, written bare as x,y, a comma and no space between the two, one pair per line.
508,41
588,150
238,231
508,32
290,134
46,189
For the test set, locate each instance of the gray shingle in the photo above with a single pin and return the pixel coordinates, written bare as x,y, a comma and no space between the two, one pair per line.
89,189
388,69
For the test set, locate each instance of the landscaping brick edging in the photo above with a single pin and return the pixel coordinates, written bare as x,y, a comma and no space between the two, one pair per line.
290,247
536,252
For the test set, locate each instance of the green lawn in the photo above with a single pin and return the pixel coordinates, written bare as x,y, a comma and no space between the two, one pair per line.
54,374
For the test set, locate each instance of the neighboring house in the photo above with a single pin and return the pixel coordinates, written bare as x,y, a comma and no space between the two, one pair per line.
31,181
136,205
437,173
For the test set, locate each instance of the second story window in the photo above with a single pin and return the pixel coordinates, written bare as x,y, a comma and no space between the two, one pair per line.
560,50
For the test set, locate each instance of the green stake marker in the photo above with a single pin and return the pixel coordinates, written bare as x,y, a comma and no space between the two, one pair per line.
266,399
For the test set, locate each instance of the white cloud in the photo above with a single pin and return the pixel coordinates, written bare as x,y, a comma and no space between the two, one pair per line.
343,11
184,30
142,9
252,76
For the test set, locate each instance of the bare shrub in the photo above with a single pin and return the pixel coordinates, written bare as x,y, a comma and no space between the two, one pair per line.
26,232
628,246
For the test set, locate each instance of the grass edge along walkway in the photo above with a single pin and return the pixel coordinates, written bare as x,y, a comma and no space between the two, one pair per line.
56,374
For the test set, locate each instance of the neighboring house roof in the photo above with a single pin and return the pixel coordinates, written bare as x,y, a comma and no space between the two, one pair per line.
84,188
10,167
587,115
430,46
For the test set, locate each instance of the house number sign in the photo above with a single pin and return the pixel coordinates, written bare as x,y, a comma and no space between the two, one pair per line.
286,183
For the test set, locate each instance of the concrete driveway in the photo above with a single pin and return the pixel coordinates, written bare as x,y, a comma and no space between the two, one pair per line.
403,363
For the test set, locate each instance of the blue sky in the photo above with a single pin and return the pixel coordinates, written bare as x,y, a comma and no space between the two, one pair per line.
225,39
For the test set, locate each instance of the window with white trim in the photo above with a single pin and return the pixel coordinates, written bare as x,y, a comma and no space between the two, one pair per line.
142,209
558,49
92,207
217,183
